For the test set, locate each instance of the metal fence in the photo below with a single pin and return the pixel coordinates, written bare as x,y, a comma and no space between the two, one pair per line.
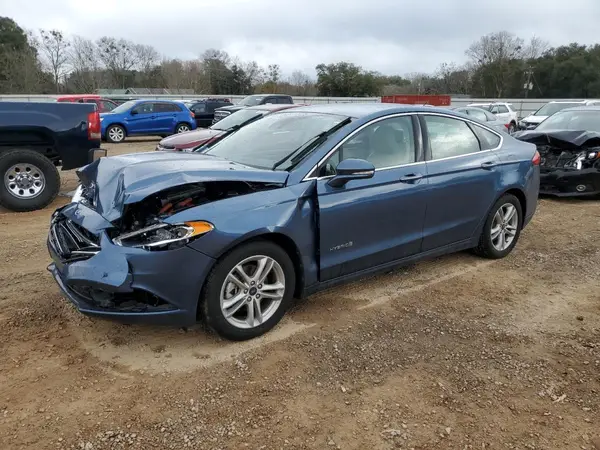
524,106
233,98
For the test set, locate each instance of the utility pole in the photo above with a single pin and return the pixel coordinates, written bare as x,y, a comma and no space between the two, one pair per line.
528,86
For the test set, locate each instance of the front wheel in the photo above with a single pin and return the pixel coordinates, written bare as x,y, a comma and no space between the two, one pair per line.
248,291
30,181
502,228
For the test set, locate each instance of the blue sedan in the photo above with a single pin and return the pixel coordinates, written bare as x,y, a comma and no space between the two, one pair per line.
296,202
146,118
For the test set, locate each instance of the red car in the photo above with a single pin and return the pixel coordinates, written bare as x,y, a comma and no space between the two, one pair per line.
103,104
186,142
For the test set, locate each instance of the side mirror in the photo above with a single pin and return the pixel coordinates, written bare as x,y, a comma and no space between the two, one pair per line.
351,169
134,112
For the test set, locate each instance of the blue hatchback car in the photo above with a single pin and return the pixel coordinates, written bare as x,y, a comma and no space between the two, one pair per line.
146,117
296,202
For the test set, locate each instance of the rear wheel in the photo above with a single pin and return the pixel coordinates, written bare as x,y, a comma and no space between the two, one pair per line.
182,128
248,291
502,228
30,181
115,134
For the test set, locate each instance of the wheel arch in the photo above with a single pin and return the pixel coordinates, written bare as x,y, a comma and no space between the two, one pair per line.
120,124
280,239
520,196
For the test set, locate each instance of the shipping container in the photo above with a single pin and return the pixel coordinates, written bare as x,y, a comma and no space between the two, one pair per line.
434,100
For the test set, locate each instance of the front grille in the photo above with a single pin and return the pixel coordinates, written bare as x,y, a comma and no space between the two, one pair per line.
220,115
72,242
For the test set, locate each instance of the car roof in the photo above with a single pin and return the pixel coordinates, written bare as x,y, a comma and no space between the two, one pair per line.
269,95
359,110
276,107
582,108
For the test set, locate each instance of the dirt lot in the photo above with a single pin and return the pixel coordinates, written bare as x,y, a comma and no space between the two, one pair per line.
456,353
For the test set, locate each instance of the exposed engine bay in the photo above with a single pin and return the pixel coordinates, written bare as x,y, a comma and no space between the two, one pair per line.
570,161
165,203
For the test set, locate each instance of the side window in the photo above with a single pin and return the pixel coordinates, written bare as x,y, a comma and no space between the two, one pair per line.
267,100
166,108
450,137
494,110
144,108
487,139
478,114
284,100
502,109
199,108
107,106
210,107
386,143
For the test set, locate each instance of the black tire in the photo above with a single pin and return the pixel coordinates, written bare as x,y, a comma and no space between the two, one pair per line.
115,127
182,125
210,303
10,158
486,248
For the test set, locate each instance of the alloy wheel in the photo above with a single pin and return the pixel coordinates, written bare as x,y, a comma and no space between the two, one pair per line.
504,227
252,291
116,134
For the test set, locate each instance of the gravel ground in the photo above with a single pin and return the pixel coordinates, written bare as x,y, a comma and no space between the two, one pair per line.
455,353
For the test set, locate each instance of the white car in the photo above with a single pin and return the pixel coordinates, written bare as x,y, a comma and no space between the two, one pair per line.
533,120
503,111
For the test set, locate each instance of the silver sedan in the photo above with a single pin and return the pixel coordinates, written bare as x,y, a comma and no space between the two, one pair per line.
483,116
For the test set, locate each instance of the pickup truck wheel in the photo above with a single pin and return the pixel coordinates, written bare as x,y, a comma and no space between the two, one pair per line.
115,134
30,181
248,291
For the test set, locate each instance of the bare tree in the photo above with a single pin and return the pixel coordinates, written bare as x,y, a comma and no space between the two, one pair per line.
119,56
55,49
493,55
300,82
535,48
86,70
147,57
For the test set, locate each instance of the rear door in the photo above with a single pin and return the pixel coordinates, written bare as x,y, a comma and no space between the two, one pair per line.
502,113
141,119
463,176
165,118
201,114
370,222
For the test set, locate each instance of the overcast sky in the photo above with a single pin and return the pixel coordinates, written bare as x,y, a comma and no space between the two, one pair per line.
391,36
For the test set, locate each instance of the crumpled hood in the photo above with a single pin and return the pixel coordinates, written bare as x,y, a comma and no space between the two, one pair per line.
566,139
190,138
126,179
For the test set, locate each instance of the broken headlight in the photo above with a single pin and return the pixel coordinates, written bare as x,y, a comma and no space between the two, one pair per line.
583,160
163,236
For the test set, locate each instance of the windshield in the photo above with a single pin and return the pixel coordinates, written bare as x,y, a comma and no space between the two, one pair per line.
124,107
270,139
252,100
237,118
552,108
572,120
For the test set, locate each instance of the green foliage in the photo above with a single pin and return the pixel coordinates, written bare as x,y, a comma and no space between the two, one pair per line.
345,79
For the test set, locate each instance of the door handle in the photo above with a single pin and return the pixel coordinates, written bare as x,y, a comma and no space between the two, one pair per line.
488,165
411,178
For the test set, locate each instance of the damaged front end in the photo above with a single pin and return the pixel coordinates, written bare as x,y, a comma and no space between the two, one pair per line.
570,162
119,250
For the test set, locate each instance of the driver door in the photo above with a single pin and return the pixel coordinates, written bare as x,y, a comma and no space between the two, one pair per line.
143,120
370,222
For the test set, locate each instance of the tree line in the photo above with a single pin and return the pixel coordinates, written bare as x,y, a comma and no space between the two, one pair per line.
499,65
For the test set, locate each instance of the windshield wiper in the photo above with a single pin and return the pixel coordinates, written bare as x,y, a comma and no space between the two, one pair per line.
298,154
